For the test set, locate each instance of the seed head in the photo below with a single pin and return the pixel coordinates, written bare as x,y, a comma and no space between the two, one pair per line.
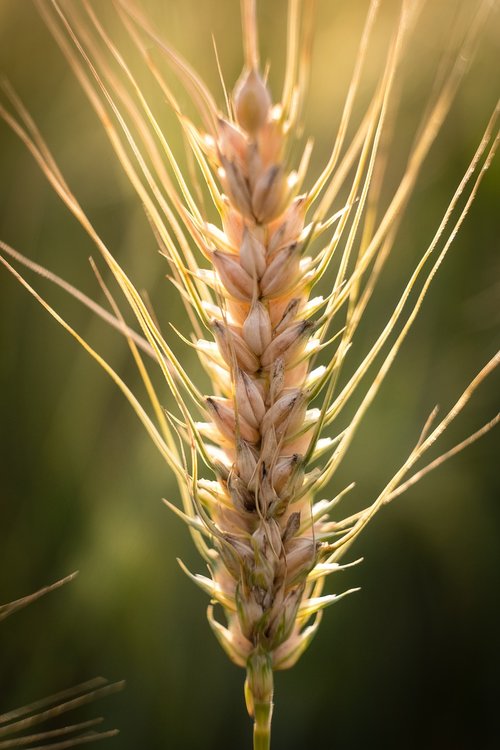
268,544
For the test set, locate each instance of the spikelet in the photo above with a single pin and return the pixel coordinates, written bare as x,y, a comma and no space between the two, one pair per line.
268,543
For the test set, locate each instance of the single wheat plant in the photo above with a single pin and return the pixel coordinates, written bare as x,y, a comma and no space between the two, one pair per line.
253,456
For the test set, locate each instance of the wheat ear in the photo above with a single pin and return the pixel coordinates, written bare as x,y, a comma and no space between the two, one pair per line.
268,544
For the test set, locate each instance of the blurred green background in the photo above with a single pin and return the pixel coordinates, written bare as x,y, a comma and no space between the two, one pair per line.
412,660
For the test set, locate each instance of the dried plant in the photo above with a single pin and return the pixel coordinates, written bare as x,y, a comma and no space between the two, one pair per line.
273,432
15,723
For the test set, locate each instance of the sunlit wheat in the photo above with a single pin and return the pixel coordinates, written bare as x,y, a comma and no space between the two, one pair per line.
252,456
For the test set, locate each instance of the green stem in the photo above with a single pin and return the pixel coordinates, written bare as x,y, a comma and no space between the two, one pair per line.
262,726
259,697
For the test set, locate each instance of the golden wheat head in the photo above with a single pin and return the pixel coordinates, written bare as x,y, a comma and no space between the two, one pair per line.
252,455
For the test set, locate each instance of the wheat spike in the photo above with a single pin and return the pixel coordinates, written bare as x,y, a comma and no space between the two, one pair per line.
268,542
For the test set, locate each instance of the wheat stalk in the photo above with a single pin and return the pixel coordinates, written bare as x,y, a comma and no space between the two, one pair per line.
266,446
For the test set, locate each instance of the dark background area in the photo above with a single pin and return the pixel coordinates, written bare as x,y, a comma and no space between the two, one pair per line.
410,661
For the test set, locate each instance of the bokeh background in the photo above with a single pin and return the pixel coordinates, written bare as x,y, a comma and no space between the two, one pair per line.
412,660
